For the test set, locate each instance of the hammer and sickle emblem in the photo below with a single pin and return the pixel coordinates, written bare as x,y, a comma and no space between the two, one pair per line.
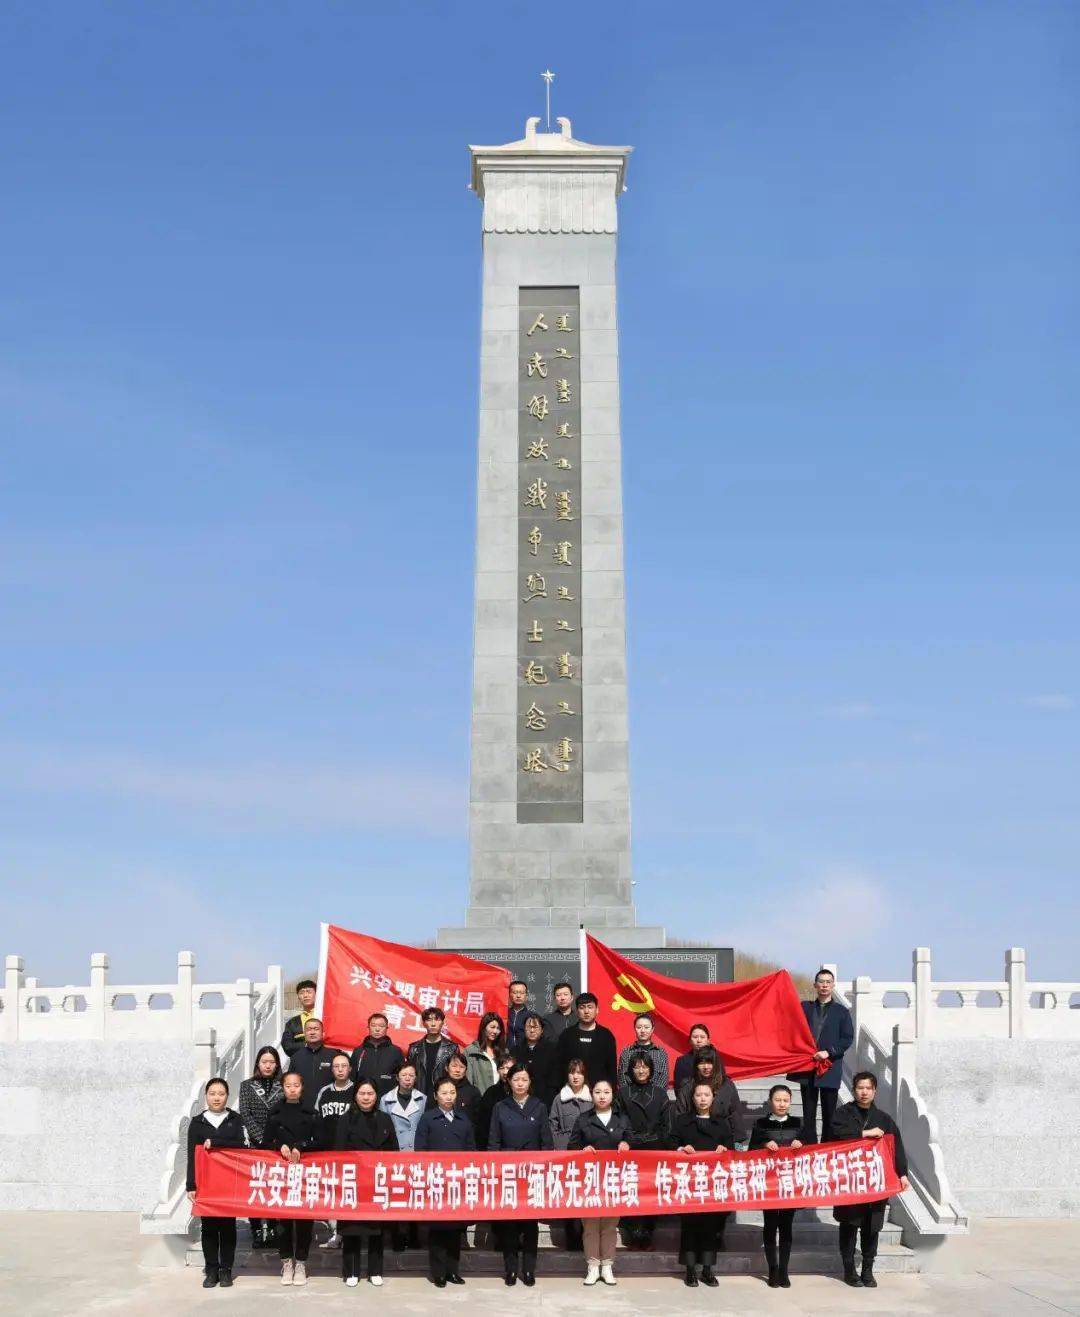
644,1001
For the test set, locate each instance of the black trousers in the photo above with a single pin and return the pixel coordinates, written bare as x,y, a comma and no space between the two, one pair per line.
829,1098
867,1226
352,1255
444,1251
701,1236
294,1239
776,1236
219,1240
519,1237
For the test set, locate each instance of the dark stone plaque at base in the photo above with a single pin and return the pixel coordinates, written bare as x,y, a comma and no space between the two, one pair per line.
543,967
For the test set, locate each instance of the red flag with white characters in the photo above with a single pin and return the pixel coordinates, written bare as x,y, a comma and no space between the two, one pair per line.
757,1026
359,975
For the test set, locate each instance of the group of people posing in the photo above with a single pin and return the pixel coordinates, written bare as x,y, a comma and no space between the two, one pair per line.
529,1083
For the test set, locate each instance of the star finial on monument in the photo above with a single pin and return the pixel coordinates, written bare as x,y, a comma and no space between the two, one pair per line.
549,78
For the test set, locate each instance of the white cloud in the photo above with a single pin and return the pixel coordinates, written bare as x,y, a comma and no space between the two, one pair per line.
1056,703
853,709
376,798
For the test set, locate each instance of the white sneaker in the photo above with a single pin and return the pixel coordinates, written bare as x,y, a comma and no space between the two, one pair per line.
592,1275
300,1274
287,1271
352,1281
607,1273
375,1280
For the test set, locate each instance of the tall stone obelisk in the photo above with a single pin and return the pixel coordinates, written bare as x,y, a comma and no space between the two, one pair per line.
549,811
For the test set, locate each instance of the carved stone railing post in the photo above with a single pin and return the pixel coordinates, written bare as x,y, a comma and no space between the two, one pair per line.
860,1002
185,987
921,975
1016,977
99,978
245,997
275,980
205,1044
13,982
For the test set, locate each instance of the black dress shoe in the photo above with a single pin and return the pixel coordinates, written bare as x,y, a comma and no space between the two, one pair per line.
210,1278
868,1277
225,1277
785,1279
707,1278
527,1278
851,1277
455,1279
510,1278
438,1281
774,1278
690,1278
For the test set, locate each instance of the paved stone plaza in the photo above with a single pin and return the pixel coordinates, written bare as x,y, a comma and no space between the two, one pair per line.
63,1263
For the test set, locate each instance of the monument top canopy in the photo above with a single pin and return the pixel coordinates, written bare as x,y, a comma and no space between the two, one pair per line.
538,151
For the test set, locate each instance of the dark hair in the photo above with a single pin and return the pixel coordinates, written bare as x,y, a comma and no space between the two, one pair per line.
518,1069
864,1074
307,983
533,1015
824,970
404,1064
576,1063
703,1027
433,1012
644,1015
313,1019
292,1074
457,1056
446,1080
267,1051
584,998
216,1080
485,1020
710,1054
779,1088
562,984
642,1058
365,1083
701,1083
517,983
377,1015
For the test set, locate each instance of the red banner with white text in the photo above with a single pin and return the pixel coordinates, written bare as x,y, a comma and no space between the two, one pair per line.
404,1186
359,975
757,1026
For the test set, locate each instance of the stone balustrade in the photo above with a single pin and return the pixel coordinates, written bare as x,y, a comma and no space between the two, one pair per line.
147,1012
1012,1007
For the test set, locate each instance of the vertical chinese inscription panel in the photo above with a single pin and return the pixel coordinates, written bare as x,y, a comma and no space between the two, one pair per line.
549,772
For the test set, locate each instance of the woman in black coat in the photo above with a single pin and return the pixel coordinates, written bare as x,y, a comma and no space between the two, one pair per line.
519,1123
490,1099
468,1095
290,1131
864,1119
684,1066
258,1096
648,1112
701,1235
778,1128
539,1056
604,1129
445,1128
726,1103
216,1127
364,1129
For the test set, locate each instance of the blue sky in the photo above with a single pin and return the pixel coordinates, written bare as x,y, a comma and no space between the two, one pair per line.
238,389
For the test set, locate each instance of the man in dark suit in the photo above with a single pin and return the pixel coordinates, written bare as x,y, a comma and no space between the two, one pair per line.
830,1023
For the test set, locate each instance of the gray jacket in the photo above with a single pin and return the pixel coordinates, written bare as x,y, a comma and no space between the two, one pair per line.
564,1113
405,1119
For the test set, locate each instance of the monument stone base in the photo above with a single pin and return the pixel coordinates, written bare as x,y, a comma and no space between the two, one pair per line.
624,938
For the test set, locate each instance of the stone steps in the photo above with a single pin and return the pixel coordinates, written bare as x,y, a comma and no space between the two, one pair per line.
814,1251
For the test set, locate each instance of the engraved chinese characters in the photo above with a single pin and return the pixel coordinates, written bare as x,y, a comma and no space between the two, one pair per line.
549,777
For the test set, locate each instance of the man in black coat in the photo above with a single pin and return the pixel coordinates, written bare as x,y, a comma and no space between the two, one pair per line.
292,1039
590,1042
313,1063
378,1056
517,1009
431,1053
864,1119
563,1016
830,1023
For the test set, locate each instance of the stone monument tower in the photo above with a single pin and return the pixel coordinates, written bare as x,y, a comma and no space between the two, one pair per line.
549,811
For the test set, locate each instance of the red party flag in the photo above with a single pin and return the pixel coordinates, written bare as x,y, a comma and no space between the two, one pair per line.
359,975
757,1026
